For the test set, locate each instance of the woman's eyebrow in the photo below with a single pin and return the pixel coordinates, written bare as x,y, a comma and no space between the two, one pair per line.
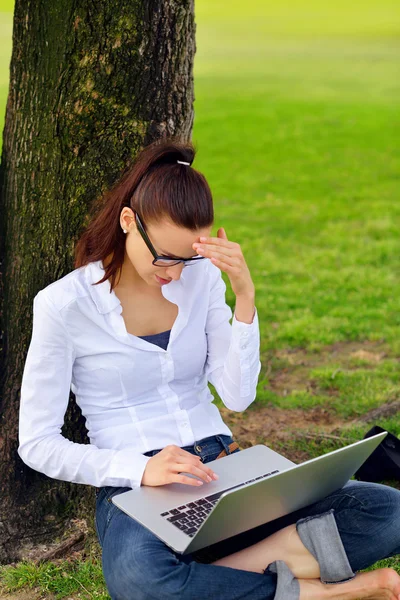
171,254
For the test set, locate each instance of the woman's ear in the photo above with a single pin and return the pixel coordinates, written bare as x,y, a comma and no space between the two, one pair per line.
127,218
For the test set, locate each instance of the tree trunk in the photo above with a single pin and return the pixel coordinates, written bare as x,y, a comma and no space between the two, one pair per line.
91,83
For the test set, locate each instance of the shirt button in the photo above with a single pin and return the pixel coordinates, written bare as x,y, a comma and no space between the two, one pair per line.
198,448
244,346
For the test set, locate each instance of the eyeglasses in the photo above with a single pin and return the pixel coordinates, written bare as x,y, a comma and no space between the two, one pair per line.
163,261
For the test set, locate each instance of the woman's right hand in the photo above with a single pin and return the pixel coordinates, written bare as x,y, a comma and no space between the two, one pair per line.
166,466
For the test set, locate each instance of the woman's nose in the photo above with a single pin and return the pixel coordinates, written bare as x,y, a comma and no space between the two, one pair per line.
174,271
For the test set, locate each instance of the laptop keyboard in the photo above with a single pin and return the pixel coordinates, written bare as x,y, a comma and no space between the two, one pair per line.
190,516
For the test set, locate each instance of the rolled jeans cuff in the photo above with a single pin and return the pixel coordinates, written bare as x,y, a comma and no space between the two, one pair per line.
321,537
287,586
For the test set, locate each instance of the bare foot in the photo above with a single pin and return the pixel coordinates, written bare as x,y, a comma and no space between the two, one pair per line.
381,584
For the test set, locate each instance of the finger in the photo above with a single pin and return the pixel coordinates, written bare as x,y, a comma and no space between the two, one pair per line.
189,458
185,479
218,242
185,455
204,474
209,249
232,261
196,462
217,239
225,266
222,231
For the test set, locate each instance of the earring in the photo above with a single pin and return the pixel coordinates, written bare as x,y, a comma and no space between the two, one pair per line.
124,230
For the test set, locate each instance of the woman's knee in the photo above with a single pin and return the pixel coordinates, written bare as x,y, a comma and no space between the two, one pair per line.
384,502
139,566
380,500
133,575
370,531
148,578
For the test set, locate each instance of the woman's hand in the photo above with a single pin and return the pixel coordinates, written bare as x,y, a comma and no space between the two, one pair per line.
229,258
166,466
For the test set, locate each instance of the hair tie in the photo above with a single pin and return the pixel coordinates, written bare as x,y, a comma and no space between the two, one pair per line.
183,162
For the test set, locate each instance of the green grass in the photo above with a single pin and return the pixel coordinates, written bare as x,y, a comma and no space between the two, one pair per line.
297,441
297,128
60,580
349,393
298,131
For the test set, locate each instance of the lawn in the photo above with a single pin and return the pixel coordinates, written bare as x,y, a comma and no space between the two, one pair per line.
297,130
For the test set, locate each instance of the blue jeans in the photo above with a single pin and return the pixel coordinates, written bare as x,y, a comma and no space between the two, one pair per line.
139,566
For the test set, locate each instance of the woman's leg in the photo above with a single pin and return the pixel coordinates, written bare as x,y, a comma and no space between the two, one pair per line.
139,566
367,516
285,545
367,519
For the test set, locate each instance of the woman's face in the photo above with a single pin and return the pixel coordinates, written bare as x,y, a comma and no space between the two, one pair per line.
167,238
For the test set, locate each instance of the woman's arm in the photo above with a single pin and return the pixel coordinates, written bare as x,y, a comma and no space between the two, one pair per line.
233,351
45,389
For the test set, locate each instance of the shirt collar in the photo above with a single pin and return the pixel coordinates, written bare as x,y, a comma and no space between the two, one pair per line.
100,294
106,300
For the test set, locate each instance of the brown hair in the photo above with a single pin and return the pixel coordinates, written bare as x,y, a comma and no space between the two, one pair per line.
157,187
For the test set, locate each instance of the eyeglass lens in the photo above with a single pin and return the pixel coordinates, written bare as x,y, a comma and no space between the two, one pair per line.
168,262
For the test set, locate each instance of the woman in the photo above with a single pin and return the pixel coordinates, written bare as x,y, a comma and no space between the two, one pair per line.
137,336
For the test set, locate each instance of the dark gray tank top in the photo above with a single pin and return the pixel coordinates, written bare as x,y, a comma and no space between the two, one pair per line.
160,339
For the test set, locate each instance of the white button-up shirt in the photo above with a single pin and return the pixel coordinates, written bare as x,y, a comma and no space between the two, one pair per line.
135,395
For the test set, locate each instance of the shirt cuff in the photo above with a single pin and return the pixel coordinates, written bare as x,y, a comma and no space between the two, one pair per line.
128,465
243,332
242,322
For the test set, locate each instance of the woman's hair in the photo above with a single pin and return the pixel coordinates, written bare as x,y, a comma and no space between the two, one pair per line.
157,187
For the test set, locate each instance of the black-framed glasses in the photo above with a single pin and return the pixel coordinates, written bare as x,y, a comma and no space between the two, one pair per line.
163,261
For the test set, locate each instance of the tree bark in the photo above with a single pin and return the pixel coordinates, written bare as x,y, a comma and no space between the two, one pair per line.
91,83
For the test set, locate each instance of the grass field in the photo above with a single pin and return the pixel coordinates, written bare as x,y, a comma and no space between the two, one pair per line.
297,129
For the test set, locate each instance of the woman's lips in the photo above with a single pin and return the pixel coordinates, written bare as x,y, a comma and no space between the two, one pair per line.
161,280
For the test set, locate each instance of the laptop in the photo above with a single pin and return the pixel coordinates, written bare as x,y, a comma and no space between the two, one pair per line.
255,485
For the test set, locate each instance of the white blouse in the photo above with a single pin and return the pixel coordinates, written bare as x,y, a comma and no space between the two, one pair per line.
134,395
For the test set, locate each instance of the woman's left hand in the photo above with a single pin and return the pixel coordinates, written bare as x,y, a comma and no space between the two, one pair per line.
228,257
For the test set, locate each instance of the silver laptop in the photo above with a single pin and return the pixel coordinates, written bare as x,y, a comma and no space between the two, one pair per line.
255,485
